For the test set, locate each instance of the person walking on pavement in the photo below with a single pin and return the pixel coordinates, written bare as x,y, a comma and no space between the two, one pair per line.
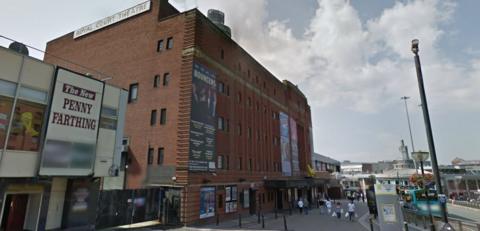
305,205
363,197
328,203
300,205
351,210
321,205
338,210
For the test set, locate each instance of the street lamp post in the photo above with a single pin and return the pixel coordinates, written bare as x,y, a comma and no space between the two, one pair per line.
428,127
421,157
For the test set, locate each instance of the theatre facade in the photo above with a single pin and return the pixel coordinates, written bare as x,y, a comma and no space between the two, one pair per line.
207,125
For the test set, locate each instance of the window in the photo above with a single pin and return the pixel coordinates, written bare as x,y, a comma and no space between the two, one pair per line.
249,134
160,45
156,81
248,73
227,162
153,117
227,126
150,156
250,165
222,54
163,116
239,129
169,43
160,156
275,141
220,162
26,125
221,123
228,91
133,92
249,101
166,79
239,163
221,87
239,97
108,118
6,105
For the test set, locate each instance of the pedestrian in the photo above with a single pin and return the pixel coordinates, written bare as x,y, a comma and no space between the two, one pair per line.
338,210
358,197
363,197
328,203
300,205
305,205
321,205
351,210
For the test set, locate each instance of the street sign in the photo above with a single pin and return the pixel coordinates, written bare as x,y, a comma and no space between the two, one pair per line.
442,198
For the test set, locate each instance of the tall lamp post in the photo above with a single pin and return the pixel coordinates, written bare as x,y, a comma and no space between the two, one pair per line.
428,127
421,157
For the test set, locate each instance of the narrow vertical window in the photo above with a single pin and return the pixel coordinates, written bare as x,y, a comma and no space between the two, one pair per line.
221,125
163,116
160,156
166,79
169,43
156,81
160,45
222,54
133,92
153,117
150,156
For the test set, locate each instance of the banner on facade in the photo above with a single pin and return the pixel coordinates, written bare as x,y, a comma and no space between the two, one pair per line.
294,147
72,129
285,145
207,202
202,120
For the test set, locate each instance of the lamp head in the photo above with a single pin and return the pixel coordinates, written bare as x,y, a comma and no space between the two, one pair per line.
415,46
420,156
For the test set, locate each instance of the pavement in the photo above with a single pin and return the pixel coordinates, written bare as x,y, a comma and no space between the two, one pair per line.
301,222
463,212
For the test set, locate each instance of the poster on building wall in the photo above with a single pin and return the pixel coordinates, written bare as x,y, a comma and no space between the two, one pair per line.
285,145
230,199
72,129
294,147
202,121
207,202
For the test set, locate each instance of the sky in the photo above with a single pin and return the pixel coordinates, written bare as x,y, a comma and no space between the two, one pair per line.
351,58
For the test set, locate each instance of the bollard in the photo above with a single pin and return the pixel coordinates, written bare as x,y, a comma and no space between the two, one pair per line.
240,220
405,224
285,223
258,217
276,215
424,222
263,221
460,226
371,224
218,219
478,227
290,211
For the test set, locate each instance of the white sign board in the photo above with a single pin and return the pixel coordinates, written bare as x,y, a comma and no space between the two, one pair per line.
385,189
130,12
72,130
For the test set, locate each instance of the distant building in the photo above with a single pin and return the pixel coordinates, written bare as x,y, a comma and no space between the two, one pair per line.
60,143
466,164
324,163
353,168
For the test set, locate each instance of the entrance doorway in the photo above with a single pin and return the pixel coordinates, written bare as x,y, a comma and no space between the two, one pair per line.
279,199
20,212
170,206
252,199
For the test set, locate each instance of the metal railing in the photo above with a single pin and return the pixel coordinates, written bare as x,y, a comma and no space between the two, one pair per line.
475,204
422,221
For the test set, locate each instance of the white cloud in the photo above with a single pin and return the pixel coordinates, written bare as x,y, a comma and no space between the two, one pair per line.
365,67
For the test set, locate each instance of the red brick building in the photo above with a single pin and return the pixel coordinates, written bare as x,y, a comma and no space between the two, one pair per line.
170,61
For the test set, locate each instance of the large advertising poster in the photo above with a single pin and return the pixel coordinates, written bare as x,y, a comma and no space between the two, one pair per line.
207,202
72,129
294,146
202,120
285,145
